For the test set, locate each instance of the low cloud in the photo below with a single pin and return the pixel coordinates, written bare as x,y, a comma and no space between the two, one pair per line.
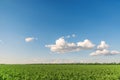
29,39
62,46
102,45
52,61
102,49
104,52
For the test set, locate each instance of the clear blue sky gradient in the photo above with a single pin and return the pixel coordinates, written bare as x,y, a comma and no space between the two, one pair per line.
48,20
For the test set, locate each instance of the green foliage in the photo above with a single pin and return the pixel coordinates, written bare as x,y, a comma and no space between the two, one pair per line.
60,72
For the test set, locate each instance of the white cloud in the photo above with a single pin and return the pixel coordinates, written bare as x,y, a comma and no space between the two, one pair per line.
87,44
102,45
29,39
52,61
62,46
100,52
104,52
115,52
102,49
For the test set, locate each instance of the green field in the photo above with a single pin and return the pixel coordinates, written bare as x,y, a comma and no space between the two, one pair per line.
60,72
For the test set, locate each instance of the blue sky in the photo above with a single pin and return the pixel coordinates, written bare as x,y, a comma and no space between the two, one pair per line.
45,21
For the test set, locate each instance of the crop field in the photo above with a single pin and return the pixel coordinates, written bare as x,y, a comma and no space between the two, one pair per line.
59,72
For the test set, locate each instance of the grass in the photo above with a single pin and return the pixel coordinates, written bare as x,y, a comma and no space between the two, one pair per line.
59,72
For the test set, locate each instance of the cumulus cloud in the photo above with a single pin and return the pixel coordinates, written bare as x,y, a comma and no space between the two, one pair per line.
102,49
62,46
86,44
104,52
102,45
29,39
115,52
